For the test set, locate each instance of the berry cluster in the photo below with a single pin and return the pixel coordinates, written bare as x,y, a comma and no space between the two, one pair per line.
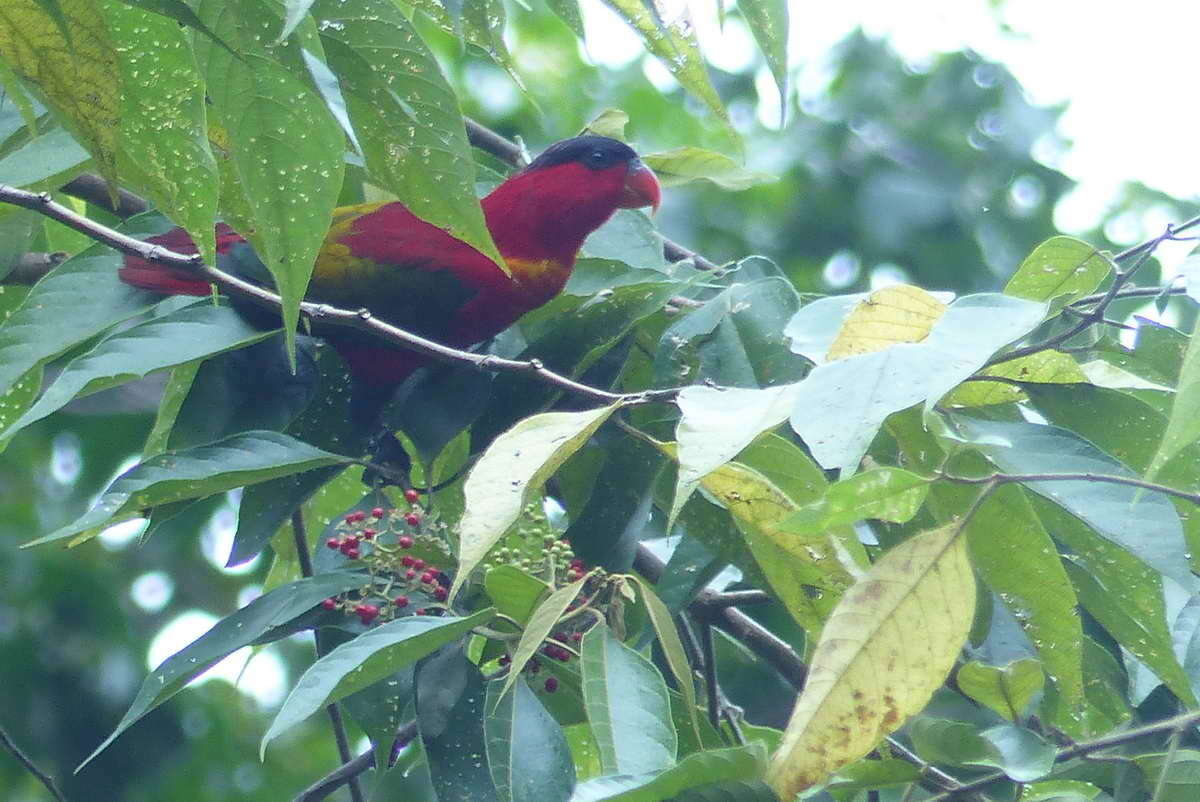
396,547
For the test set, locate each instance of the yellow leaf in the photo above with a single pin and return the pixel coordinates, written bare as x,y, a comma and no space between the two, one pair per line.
888,645
1046,367
808,575
898,314
76,71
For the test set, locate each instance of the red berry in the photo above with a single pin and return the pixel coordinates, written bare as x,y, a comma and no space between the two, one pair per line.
407,561
400,601
563,655
333,543
560,636
409,574
367,612
441,593
369,534
427,578
412,519
419,564
377,512
329,604
577,564
406,543
551,685
353,553
412,496
576,637
420,611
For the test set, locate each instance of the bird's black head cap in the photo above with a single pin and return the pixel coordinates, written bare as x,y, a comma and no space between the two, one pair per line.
596,152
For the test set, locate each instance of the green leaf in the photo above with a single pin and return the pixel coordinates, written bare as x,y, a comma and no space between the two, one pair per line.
1183,426
512,468
768,21
1059,791
286,149
675,45
514,593
191,333
628,237
527,752
1015,557
251,624
840,406
40,161
1134,613
195,473
1020,753
373,655
457,753
569,335
18,397
174,394
1060,270
77,300
672,646
684,165
1182,773
75,67
627,706
538,628
733,340
568,12
407,116
702,768
1044,367
875,774
1006,689
1144,523
885,494
164,128
179,11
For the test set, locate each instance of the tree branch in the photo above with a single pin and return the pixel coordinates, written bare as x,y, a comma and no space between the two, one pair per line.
94,189
30,267
1012,478
300,541
325,786
361,319
31,767
1179,723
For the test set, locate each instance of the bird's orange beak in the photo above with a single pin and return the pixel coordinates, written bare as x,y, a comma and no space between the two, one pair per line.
641,188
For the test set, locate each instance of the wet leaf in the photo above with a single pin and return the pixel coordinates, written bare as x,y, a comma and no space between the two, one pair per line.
513,467
868,673
72,60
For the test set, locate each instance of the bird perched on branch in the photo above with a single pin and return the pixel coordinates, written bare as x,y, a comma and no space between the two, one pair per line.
422,279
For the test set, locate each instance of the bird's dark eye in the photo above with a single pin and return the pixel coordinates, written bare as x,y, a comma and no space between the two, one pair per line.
598,158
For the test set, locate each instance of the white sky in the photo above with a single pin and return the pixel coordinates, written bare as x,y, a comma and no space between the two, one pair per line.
1123,67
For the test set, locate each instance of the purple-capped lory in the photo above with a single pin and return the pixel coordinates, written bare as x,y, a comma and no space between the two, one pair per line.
422,279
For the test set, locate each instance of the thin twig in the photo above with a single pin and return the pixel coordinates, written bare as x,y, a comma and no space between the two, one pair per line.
325,786
31,767
361,319
1178,723
300,539
1011,478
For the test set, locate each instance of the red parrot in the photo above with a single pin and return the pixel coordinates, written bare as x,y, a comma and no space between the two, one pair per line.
422,279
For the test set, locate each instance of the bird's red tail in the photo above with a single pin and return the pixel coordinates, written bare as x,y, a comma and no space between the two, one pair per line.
169,280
